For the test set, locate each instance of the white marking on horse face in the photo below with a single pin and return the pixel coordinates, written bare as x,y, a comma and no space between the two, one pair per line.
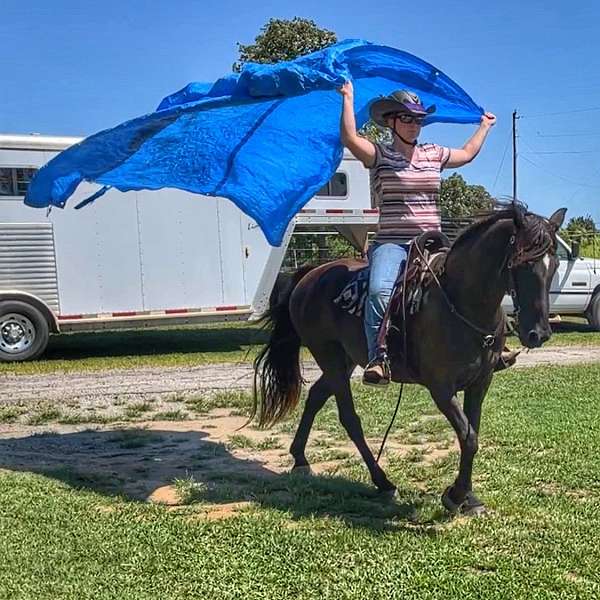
546,262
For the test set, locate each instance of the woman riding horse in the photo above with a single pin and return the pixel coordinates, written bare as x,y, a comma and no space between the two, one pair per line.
406,183
451,344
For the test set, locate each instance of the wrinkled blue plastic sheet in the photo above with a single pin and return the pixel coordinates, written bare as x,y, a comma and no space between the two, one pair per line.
266,138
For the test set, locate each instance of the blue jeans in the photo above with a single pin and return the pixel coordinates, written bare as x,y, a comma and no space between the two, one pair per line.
386,262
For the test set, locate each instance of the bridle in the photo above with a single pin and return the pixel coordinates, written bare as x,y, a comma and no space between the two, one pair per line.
511,264
516,257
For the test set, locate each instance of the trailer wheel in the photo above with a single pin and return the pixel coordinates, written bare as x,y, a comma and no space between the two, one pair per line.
593,312
24,331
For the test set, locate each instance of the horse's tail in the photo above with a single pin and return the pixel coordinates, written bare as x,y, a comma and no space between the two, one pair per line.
277,377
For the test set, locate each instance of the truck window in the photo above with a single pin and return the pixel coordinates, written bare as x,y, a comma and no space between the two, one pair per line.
14,181
337,186
562,252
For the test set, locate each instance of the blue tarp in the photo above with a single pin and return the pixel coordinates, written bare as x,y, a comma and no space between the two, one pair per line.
266,138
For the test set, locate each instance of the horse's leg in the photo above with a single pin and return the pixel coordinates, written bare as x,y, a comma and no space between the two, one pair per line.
351,423
317,396
463,486
337,369
459,497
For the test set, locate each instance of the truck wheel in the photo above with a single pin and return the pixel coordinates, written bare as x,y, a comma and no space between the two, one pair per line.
23,331
593,312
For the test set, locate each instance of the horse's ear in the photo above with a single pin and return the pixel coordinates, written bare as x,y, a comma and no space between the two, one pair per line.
519,215
558,217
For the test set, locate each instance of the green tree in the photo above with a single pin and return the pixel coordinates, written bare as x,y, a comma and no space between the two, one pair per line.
459,199
282,39
580,226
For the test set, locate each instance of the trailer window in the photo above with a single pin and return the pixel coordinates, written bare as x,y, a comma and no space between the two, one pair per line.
14,181
336,186
5,182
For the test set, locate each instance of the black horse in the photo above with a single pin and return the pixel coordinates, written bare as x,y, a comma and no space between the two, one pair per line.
453,343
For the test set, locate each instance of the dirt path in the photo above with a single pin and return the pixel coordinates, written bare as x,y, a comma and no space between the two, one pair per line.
166,383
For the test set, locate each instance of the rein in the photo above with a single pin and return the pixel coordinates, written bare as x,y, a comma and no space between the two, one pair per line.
405,347
488,338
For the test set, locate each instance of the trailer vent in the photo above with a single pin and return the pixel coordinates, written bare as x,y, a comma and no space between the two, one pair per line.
28,261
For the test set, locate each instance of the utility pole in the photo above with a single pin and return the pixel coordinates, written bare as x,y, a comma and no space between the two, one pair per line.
514,139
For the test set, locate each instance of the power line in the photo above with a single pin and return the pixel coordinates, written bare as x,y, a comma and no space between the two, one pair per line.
561,152
532,150
555,135
562,112
597,187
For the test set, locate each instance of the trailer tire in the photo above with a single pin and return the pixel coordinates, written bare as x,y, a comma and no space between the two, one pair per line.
24,331
593,312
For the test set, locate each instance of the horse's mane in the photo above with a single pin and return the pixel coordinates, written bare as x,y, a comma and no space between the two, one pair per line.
535,235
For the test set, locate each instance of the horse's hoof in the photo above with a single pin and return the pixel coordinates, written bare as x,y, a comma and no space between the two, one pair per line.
477,510
302,470
388,494
470,506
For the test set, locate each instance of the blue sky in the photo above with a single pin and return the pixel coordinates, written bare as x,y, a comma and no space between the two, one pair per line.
73,68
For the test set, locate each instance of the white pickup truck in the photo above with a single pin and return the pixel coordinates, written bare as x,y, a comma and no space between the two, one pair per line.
575,288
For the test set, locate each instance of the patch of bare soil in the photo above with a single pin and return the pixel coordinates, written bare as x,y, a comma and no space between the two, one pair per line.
154,460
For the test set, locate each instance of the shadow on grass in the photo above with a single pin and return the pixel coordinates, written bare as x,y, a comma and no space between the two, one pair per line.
572,327
134,463
153,341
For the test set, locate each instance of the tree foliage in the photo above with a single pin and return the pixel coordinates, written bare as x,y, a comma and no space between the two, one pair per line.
282,39
459,199
580,226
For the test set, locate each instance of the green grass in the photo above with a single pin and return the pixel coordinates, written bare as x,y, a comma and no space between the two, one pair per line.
239,440
204,403
135,438
164,347
136,410
331,537
44,415
9,414
170,415
189,490
574,331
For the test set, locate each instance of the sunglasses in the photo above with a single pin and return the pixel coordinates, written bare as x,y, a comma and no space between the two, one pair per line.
404,118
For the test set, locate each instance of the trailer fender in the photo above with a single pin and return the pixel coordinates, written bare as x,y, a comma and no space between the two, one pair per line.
36,302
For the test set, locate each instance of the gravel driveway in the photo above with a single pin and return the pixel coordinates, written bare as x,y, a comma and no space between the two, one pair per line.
89,388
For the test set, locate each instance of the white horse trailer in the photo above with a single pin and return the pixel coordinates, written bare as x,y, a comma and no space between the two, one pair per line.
141,259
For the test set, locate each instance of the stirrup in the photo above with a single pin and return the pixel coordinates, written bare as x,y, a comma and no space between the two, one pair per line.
372,377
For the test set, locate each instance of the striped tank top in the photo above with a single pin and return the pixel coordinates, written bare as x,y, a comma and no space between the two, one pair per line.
406,192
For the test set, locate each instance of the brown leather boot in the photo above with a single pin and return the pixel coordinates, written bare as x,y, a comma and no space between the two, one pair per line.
507,359
377,373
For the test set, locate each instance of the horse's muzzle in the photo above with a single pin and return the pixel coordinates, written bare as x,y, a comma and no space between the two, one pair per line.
536,337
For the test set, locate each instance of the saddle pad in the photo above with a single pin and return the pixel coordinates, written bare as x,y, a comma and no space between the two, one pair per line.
352,298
